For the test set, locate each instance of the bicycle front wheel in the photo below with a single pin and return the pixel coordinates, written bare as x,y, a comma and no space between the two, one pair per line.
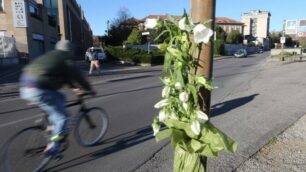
91,126
24,151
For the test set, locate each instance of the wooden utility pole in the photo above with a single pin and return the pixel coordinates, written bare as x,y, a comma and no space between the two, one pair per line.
201,11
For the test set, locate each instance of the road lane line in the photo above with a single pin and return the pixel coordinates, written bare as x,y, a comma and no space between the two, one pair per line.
21,120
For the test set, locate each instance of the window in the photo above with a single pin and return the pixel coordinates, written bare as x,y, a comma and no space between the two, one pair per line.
52,8
34,11
1,5
254,26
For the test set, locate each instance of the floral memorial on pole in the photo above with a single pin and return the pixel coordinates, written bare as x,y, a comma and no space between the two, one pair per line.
186,124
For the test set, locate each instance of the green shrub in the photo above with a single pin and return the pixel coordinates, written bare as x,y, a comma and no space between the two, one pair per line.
134,37
219,47
135,55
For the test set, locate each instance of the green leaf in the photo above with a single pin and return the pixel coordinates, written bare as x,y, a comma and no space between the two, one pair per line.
174,52
172,123
207,21
179,76
161,135
194,93
217,140
167,64
208,152
161,34
172,20
178,136
196,145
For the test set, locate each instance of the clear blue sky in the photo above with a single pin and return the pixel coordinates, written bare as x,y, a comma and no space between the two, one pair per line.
97,12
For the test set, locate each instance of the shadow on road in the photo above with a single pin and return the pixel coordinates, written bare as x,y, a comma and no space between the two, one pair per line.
221,108
118,143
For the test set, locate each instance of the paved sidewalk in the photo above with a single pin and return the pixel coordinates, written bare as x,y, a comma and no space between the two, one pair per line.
280,102
284,153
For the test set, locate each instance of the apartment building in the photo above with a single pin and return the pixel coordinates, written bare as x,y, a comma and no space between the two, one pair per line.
32,27
257,24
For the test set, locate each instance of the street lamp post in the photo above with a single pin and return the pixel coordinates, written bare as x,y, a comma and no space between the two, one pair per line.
283,58
107,27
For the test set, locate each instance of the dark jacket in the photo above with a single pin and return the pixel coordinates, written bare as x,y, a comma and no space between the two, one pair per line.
52,71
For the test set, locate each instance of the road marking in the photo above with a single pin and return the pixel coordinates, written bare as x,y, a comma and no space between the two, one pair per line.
21,120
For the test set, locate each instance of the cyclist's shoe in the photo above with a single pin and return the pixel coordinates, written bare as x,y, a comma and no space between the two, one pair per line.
52,149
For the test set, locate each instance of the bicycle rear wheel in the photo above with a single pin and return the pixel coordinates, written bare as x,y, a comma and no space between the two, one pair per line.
24,151
91,126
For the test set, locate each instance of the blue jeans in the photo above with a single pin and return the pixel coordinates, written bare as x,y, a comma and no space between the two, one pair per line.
50,101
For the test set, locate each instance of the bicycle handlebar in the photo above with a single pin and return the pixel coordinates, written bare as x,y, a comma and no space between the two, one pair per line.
80,99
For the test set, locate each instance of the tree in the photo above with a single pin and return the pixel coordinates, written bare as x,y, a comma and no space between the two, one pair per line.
123,15
120,33
121,27
97,41
289,42
234,37
274,38
220,33
135,37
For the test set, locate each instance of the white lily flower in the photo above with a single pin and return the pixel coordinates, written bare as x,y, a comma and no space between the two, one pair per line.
166,91
184,96
202,116
162,115
183,25
161,104
178,85
155,128
202,33
185,106
150,23
195,127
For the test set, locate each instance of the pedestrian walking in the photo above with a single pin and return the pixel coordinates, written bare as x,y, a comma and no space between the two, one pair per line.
94,62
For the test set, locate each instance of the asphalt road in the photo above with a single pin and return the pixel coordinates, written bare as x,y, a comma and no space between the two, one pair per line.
128,98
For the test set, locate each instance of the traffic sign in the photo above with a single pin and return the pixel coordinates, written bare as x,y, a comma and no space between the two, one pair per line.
145,33
282,39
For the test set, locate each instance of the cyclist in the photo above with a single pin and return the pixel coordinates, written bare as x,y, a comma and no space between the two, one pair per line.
41,81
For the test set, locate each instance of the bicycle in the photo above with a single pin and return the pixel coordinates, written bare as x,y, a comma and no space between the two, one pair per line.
89,125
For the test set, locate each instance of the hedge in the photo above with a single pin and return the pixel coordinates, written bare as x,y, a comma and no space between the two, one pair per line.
135,55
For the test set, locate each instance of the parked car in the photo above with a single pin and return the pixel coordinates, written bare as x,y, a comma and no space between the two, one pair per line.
101,54
260,50
240,53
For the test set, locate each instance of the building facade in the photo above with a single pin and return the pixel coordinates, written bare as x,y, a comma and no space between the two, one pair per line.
229,25
256,24
34,27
